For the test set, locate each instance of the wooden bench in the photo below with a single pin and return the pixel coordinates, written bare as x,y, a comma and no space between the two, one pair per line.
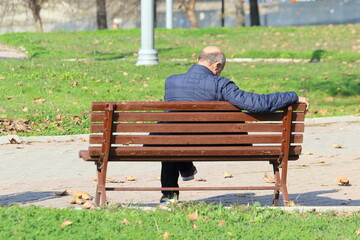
209,131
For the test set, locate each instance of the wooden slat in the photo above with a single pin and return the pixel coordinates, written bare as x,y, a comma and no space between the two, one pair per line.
200,158
195,139
194,117
191,188
257,127
173,106
194,151
191,128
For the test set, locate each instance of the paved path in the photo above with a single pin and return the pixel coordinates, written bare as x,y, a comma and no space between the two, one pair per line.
31,172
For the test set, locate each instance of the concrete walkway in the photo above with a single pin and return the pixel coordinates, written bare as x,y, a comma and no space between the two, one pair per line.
32,171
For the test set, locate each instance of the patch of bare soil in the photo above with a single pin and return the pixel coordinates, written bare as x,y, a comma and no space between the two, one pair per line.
11,52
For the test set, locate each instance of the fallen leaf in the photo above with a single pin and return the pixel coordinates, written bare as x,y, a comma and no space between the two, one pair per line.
269,179
320,161
89,205
193,216
195,226
81,195
80,201
357,232
39,100
341,180
66,223
292,204
64,193
13,141
166,235
72,201
222,222
130,178
227,175
125,221
303,165
74,84
337,145
112,180
200,179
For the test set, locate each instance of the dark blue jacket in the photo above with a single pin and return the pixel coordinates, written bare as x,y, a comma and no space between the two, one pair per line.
200,84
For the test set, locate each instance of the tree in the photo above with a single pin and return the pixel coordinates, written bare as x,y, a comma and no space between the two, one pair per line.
254,13
35,7
239,13
101,14
188,7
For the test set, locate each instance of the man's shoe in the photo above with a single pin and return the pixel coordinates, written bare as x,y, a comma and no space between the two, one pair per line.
189,175
169,198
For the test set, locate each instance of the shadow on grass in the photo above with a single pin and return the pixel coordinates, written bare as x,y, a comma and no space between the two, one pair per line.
26,197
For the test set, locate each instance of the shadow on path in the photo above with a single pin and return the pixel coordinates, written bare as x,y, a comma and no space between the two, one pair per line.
301,199
26,197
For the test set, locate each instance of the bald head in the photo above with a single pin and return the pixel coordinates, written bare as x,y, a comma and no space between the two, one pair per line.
213,58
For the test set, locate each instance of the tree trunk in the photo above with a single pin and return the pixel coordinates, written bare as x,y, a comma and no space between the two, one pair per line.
35,7
188,6
254,13
239,12
101,14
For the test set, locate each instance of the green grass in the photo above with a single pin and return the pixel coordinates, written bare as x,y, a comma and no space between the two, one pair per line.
49,95
212,222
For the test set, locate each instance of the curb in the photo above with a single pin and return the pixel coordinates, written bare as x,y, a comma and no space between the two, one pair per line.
85,137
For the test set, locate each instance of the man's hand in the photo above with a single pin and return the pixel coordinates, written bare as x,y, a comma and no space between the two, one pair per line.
304,100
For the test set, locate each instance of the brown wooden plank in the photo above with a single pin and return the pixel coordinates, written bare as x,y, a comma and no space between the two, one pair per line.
171,106
200,158
191,128
195,151
195,139
183,106
191,188
196,117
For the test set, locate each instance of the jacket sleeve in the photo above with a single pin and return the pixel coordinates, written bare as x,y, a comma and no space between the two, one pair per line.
254,102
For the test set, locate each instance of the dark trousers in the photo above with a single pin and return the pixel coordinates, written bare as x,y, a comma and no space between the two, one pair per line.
170,174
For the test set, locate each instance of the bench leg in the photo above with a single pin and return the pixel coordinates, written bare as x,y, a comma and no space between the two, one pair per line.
277,183
100,195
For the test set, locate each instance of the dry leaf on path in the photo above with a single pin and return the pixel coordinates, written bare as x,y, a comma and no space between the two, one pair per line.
341,180
66,223
81,195
64,193
193,216
89,205
130,178
112,180
269,179
303,165
339,145
200,179
13,141
227,175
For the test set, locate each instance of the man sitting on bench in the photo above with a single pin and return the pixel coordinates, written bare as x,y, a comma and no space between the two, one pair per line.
202,82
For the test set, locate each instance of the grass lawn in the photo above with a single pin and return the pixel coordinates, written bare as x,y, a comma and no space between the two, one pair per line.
50,94
184,221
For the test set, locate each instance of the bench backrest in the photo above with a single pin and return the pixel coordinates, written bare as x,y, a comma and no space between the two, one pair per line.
200,131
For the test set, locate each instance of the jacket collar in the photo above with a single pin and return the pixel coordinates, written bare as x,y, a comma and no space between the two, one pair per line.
200,69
